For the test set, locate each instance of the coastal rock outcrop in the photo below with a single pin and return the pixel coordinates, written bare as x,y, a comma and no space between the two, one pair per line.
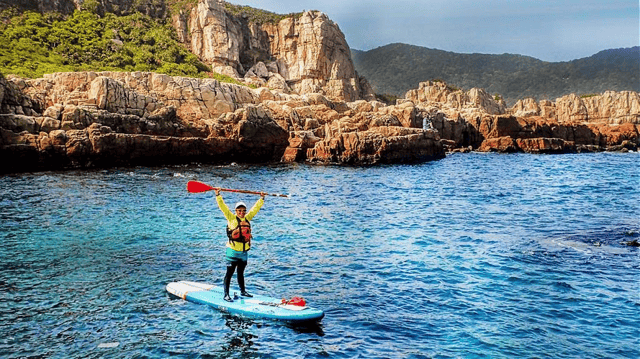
306,103
475,120
360,133
87,119
446,97
610,107
389,144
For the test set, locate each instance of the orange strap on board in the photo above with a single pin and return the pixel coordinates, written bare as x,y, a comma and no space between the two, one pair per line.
299,301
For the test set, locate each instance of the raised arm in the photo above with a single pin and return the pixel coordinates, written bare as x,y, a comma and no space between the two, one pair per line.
256,207
223,207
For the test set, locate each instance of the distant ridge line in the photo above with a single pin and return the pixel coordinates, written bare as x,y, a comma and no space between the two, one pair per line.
396,68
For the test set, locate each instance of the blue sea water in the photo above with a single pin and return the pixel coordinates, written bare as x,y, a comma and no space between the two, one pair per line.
471,256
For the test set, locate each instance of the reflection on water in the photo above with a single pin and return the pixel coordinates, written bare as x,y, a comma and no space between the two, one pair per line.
239,337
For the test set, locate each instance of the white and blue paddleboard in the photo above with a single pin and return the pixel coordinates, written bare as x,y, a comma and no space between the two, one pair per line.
259,306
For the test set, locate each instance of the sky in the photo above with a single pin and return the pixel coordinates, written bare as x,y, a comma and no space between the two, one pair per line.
549,30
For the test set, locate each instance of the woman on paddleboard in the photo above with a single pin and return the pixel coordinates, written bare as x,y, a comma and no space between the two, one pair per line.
239,240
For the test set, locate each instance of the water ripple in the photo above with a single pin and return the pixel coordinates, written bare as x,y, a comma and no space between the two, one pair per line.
476,255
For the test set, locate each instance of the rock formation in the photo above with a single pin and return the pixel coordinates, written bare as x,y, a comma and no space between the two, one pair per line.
87,119
94,120
610,107
306,53
474,120
308,105
440,95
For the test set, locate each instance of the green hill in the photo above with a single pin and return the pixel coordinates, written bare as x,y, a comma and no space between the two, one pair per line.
94,39
32,44
397,68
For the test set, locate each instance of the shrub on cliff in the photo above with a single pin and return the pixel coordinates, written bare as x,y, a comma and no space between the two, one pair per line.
180,6
32,44
257,15
387,98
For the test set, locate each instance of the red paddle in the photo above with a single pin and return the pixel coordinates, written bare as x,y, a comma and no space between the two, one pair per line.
197,187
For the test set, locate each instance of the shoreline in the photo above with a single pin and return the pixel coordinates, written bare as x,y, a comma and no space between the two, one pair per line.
107,119
187,165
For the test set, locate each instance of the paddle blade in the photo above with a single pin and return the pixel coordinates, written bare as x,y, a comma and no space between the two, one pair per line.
197,187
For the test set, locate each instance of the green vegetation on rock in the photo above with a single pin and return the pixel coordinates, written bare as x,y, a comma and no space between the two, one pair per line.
257,15
181,5
32,44
397,68
387,98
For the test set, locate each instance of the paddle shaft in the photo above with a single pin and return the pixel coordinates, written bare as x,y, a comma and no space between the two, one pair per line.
197,187
251,192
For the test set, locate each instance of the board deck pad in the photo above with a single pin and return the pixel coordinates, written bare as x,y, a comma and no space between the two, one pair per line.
258,306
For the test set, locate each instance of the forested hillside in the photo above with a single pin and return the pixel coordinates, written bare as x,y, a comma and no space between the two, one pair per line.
32,44
396,68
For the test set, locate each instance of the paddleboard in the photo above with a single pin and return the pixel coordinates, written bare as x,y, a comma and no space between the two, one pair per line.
259,306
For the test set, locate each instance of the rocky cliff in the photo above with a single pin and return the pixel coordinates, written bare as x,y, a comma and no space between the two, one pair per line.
475,120
610,107
306,53
299,53
86,120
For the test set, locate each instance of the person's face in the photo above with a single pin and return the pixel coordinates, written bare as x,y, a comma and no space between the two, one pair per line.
241,211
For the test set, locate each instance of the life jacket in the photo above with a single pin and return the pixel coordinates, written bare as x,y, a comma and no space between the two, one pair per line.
242,233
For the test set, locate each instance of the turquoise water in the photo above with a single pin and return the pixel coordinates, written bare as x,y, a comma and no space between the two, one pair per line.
472,256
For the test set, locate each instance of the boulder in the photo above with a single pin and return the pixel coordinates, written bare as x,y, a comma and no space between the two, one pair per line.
545,145
499,144
377,145
450,98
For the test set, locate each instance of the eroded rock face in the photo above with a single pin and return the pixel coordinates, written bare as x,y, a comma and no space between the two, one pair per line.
102,119
540,135
308,52
360,133
389,144
304,54
610,107
474,120
86,119
448,98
